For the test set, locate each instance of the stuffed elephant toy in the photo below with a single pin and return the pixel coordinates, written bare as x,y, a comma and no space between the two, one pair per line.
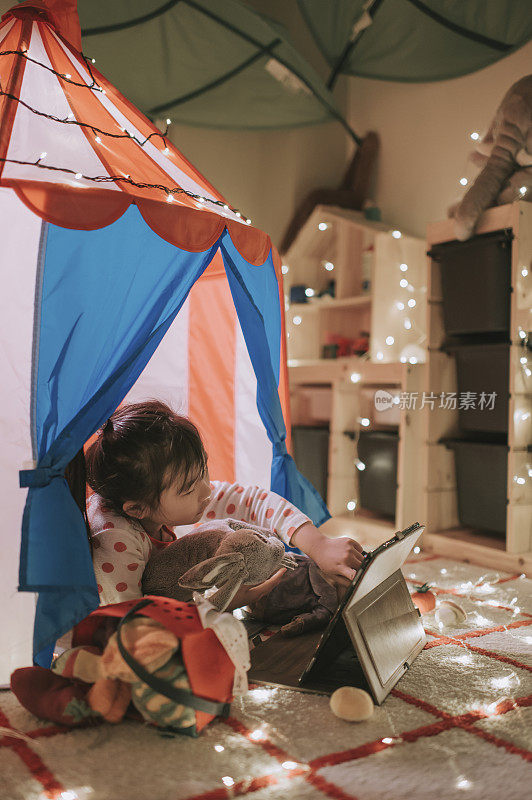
222,553
505,156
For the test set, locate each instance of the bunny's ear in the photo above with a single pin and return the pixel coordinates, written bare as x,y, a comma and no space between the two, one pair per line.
213,571
225,571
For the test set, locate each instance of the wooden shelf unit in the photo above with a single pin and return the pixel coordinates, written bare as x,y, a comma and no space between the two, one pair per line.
367,262
357,249
444,534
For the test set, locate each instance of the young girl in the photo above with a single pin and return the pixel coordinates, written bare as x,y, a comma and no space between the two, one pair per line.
148,470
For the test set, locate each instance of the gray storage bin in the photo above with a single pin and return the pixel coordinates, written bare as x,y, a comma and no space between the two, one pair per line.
475,280
483,368
311,454
378,481
481,475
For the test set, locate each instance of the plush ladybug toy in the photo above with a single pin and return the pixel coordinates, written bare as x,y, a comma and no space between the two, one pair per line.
423,599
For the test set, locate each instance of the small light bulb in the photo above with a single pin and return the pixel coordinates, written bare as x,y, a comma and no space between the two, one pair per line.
355,377
463,783
413,360
248,221
322,226
400,306
380,356
238,214
169,198
309,292
351,505
43,155
78,175
226,207
201,199
329,266
390,340
365,422
93,60
411,303
219,748
528,373
166,151
256,735
403,267
168,121
463,181
443,571
523,190
97,139
522,333
387,740
396,234
520,481
289,765
524,272
403,283
475,136
417,549
407,323
68,77
284,269
228,781
71,115
403,359
297,320
360,465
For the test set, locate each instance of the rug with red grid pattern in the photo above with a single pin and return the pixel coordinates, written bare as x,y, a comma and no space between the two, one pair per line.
457,725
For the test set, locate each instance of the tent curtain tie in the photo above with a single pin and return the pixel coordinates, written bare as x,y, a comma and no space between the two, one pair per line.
279,448
38,477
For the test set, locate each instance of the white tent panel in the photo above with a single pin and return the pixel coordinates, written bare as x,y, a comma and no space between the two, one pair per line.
253,449
64,145
165,376
20,232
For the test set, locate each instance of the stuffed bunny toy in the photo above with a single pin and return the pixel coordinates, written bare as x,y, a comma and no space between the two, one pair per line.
222,553
505,155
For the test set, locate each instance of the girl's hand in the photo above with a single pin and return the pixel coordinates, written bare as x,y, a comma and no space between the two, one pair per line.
338,558
250,594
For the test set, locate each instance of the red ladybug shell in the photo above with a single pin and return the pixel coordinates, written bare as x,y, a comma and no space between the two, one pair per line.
209,669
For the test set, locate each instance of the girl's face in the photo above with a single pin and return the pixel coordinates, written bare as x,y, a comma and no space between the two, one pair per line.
177,506
183,507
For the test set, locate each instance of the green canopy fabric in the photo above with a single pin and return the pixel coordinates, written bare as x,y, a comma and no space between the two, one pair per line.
416,40
205,62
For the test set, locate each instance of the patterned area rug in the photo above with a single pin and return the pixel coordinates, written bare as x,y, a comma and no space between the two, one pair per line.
454,727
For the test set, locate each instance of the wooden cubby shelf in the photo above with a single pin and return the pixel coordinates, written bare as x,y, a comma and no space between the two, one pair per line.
385,285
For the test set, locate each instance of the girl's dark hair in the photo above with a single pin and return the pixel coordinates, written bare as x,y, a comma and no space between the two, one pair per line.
76,478
140,451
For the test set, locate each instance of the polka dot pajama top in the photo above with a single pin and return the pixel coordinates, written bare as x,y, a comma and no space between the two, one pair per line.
121,546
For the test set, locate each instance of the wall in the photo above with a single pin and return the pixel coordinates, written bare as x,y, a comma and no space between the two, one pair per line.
424,130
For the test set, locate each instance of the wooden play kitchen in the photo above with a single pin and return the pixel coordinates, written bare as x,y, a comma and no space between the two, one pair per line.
445,319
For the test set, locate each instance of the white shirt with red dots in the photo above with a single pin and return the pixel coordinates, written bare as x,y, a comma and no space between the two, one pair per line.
121,546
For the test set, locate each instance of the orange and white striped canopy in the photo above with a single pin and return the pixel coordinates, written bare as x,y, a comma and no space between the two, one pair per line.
78,153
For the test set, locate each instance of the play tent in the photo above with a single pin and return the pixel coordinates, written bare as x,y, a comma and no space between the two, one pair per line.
118,260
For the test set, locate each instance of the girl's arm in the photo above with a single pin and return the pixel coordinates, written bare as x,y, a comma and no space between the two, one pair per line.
255,505
119,559
338,558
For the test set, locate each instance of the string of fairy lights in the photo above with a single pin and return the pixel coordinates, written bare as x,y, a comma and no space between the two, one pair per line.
99,134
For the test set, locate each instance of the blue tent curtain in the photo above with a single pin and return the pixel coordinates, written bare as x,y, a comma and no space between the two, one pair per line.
105,299
255,295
